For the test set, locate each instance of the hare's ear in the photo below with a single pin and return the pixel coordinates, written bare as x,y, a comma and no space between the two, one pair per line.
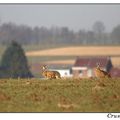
98,64
44,67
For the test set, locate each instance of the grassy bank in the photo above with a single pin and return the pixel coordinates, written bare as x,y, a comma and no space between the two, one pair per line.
72,95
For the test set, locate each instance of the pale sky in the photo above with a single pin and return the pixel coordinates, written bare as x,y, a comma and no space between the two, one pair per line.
74,16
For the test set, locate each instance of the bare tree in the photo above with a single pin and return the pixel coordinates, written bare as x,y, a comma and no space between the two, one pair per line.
99,28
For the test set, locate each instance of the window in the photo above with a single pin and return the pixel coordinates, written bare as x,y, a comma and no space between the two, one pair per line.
80,71
65,73
71,71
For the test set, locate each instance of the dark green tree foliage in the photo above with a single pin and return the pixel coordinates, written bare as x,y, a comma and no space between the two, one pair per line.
14,62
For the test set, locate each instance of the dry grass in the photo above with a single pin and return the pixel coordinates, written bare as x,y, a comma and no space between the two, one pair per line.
4,96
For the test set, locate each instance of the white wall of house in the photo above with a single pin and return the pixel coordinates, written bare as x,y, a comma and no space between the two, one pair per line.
90,72
82,73
79,68
63,72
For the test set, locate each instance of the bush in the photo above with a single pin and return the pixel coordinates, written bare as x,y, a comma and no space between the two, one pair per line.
14,62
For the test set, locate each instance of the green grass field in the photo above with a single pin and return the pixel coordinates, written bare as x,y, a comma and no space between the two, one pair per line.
70,95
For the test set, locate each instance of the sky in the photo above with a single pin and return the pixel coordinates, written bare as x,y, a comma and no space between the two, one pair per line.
73,16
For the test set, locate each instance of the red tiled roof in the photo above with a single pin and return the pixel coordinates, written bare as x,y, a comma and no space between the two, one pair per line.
91,61
115,72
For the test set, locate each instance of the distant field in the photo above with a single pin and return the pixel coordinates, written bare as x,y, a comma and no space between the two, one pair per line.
74,51
43,46
77,51
71,95
66,53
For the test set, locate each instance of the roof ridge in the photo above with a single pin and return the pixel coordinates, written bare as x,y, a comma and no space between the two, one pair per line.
91,61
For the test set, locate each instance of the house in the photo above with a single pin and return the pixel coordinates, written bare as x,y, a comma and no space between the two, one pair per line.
84,66
63,69
63,72
115,72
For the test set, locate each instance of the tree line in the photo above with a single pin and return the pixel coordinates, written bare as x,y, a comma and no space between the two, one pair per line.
27,35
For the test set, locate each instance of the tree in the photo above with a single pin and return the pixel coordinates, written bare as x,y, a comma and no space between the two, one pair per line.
14,62
115,35
90,37
99,29
82,37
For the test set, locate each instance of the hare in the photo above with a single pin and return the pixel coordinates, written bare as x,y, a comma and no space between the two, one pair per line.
50,74
101,73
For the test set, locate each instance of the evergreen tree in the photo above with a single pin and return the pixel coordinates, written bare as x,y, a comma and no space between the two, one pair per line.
14,62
